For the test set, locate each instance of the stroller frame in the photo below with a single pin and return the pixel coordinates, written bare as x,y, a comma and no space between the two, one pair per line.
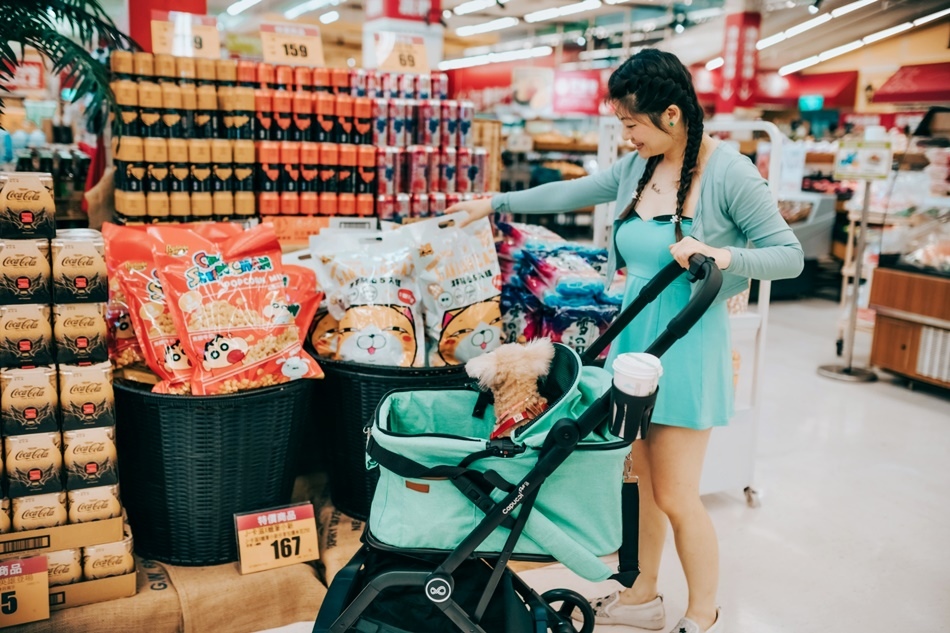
342,610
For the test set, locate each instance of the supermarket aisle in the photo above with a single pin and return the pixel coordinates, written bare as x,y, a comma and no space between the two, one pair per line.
851,535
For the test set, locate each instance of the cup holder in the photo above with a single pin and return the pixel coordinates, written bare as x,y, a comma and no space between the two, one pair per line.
631,415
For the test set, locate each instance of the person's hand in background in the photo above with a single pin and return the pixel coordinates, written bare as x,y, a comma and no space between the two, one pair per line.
476,210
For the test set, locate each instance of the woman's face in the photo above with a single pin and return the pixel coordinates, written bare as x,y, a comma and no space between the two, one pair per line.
645,137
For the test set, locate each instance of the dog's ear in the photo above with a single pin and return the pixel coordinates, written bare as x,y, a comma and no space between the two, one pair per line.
537,356
484,369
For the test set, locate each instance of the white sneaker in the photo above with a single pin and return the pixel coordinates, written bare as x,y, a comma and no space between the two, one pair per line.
688,626
608,610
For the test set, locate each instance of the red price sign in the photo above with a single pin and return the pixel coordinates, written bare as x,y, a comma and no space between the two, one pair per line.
24,591
276,538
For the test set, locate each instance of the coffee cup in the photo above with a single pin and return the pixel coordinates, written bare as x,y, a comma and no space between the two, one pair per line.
636,373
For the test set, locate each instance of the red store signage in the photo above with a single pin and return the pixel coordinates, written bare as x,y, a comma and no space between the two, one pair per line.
27,75
578,92
740,61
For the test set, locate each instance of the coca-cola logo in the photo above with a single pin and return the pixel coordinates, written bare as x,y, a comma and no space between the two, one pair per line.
108,561
60,569
80,321
90,448
93,506
79,261
23,195
23,261
42,512
86,388
32,454
21,324
28,392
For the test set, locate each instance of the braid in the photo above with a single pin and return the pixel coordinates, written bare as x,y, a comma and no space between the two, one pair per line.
694,140
652,162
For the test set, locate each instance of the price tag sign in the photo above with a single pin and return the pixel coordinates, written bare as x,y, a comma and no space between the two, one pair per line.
24,591
863,160
276,538
185,34
401,53
292,44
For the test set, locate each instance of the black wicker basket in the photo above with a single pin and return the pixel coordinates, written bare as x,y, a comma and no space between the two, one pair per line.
188,463
348,396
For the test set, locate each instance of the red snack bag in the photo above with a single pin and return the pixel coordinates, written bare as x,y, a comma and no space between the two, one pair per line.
224,296
124,347
303,298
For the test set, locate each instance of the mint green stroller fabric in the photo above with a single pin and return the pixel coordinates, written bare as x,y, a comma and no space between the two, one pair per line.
577,515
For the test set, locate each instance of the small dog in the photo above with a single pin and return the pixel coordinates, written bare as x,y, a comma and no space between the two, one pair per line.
511,372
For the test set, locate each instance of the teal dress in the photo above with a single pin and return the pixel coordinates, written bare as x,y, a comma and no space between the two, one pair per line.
696,389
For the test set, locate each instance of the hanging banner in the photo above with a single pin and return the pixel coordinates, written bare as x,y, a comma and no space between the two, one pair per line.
292,44
401,53
578,92
740,61
185,34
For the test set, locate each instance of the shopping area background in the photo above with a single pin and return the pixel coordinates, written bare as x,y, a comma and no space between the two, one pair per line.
278,136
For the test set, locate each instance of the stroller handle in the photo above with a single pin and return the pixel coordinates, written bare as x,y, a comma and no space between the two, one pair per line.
701,268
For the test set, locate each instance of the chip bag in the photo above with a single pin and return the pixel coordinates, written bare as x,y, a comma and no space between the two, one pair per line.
230,304
457,269
373,314
124,347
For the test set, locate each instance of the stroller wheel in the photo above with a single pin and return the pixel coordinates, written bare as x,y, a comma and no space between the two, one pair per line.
561,621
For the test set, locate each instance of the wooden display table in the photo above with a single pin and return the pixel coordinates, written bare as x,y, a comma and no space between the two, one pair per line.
912,326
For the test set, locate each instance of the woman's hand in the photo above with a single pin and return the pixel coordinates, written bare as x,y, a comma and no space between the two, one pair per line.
687,247
476,210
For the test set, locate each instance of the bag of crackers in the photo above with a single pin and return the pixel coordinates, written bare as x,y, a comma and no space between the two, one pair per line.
229,303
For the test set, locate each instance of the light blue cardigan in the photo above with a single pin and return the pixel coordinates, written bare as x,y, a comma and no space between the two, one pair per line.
735,208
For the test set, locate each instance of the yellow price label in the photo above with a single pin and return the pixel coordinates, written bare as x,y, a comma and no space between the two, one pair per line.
292,45
24,591
276,538
185,34
401,53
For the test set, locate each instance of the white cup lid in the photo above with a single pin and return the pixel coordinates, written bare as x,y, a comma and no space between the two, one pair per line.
638,364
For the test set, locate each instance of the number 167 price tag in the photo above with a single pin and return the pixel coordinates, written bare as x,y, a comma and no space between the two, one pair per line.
276,538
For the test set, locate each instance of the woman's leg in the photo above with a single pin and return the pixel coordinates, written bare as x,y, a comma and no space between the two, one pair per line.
676,463
652,530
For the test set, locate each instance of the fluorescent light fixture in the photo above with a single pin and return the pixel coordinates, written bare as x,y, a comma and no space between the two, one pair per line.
704,14
713,64
307,7
848,8
446,14
493,58
616,1
487,27
765,42
794,68
931,17
808,25
241,5
558,12
880,35
330,17
840,50
601,53
474,6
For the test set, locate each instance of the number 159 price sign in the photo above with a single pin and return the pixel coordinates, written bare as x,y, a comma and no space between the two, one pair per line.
276,538
292,44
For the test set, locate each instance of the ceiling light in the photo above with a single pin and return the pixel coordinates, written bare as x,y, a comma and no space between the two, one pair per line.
713,64
558,12
474,6
798,29
848,8
931,17
770,40
446,14
679,28
880,35
493,58
307,7
793,68
241,5
601,53
813,7
330,18
616,1
487,27
840,50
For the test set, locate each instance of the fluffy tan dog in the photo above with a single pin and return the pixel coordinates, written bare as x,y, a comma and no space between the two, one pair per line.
511,372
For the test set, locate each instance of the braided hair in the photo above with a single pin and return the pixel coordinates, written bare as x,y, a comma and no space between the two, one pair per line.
647,84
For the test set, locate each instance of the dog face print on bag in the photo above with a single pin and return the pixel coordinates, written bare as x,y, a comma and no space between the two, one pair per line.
377,335
221,352
470,332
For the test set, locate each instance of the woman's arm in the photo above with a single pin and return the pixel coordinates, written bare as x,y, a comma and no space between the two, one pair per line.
777,253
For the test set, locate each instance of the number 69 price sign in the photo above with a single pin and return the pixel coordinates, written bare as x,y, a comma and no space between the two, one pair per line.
24,591
401,53
292,44
277,537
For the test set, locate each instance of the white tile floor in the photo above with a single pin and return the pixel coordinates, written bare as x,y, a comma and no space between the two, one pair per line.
853,533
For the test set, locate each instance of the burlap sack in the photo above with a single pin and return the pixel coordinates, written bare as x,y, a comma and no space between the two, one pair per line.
339,539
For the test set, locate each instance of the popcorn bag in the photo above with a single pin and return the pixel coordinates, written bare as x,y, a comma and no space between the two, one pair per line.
458,271
229,303
124,348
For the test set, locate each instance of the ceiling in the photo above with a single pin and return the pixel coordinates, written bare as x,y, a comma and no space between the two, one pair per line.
600,28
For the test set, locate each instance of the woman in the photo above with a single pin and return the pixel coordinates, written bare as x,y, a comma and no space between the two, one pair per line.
719,204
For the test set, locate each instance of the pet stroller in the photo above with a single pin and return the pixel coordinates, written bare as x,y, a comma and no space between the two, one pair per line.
451,508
